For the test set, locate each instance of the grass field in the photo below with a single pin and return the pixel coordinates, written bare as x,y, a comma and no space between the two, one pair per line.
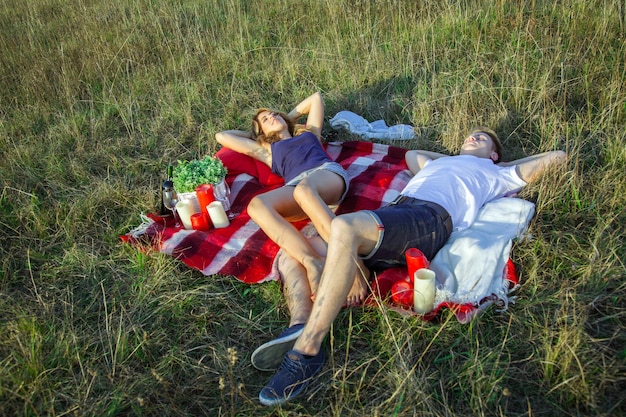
98,97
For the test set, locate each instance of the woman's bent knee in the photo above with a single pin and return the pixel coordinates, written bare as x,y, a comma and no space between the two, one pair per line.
305,194
256,206
302,192
329,191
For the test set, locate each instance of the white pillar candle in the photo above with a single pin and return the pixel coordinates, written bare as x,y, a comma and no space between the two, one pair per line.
185,208
217,214
423,291
193,197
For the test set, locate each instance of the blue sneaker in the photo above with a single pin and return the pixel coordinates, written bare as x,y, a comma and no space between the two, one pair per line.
294,375
268,356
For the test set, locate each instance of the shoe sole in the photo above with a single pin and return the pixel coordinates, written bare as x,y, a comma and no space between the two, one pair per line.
269,356
278,401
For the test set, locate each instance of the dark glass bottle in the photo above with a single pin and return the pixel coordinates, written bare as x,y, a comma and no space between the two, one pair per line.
167,184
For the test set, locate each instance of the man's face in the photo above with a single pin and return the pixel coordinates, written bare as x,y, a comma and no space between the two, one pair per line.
479,144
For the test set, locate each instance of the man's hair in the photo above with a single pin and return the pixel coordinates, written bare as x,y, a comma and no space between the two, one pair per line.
494,137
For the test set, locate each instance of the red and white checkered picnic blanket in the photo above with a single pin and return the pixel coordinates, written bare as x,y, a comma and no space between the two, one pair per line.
377,174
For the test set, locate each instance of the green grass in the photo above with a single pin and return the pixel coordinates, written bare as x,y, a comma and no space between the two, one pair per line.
98,98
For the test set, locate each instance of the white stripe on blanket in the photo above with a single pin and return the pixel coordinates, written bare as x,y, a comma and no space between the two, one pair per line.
357,125
470,265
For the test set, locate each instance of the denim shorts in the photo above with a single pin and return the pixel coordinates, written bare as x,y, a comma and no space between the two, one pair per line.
403,226
326,166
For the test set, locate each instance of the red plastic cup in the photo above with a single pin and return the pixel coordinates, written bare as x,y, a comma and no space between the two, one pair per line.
415,260
200,221
205,196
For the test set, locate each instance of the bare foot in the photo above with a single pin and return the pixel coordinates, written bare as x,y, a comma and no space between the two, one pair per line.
359,290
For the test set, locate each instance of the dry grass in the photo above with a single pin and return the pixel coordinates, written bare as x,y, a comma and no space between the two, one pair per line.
98,97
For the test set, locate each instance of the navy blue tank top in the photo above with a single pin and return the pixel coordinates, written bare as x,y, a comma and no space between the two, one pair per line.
293,156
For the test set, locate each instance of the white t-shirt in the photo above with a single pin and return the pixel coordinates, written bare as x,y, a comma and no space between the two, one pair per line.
462,184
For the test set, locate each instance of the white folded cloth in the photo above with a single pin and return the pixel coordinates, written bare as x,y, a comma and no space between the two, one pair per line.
356,124
470,265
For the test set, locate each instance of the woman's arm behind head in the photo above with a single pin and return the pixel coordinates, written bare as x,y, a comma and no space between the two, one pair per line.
242,142
313,107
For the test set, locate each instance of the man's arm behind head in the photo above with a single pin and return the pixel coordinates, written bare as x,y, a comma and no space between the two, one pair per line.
531,167
416,159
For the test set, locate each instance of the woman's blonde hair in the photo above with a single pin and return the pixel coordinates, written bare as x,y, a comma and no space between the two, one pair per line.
494,137
258,135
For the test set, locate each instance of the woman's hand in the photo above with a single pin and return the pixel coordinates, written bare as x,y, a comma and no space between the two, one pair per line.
313,107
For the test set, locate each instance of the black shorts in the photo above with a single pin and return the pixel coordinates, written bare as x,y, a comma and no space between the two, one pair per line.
407,225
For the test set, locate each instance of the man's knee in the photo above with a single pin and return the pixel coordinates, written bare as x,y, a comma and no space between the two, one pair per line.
344,225
357,229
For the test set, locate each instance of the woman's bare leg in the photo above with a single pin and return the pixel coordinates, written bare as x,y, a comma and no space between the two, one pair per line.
314,193
296,289
273,212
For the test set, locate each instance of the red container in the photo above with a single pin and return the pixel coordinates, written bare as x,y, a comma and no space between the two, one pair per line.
415,260
200,221
205,196
402,293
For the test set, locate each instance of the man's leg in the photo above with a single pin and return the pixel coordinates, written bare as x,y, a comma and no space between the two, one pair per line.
297,293
350,234
296,289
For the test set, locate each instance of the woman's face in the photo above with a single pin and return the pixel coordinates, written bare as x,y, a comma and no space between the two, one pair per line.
271,122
